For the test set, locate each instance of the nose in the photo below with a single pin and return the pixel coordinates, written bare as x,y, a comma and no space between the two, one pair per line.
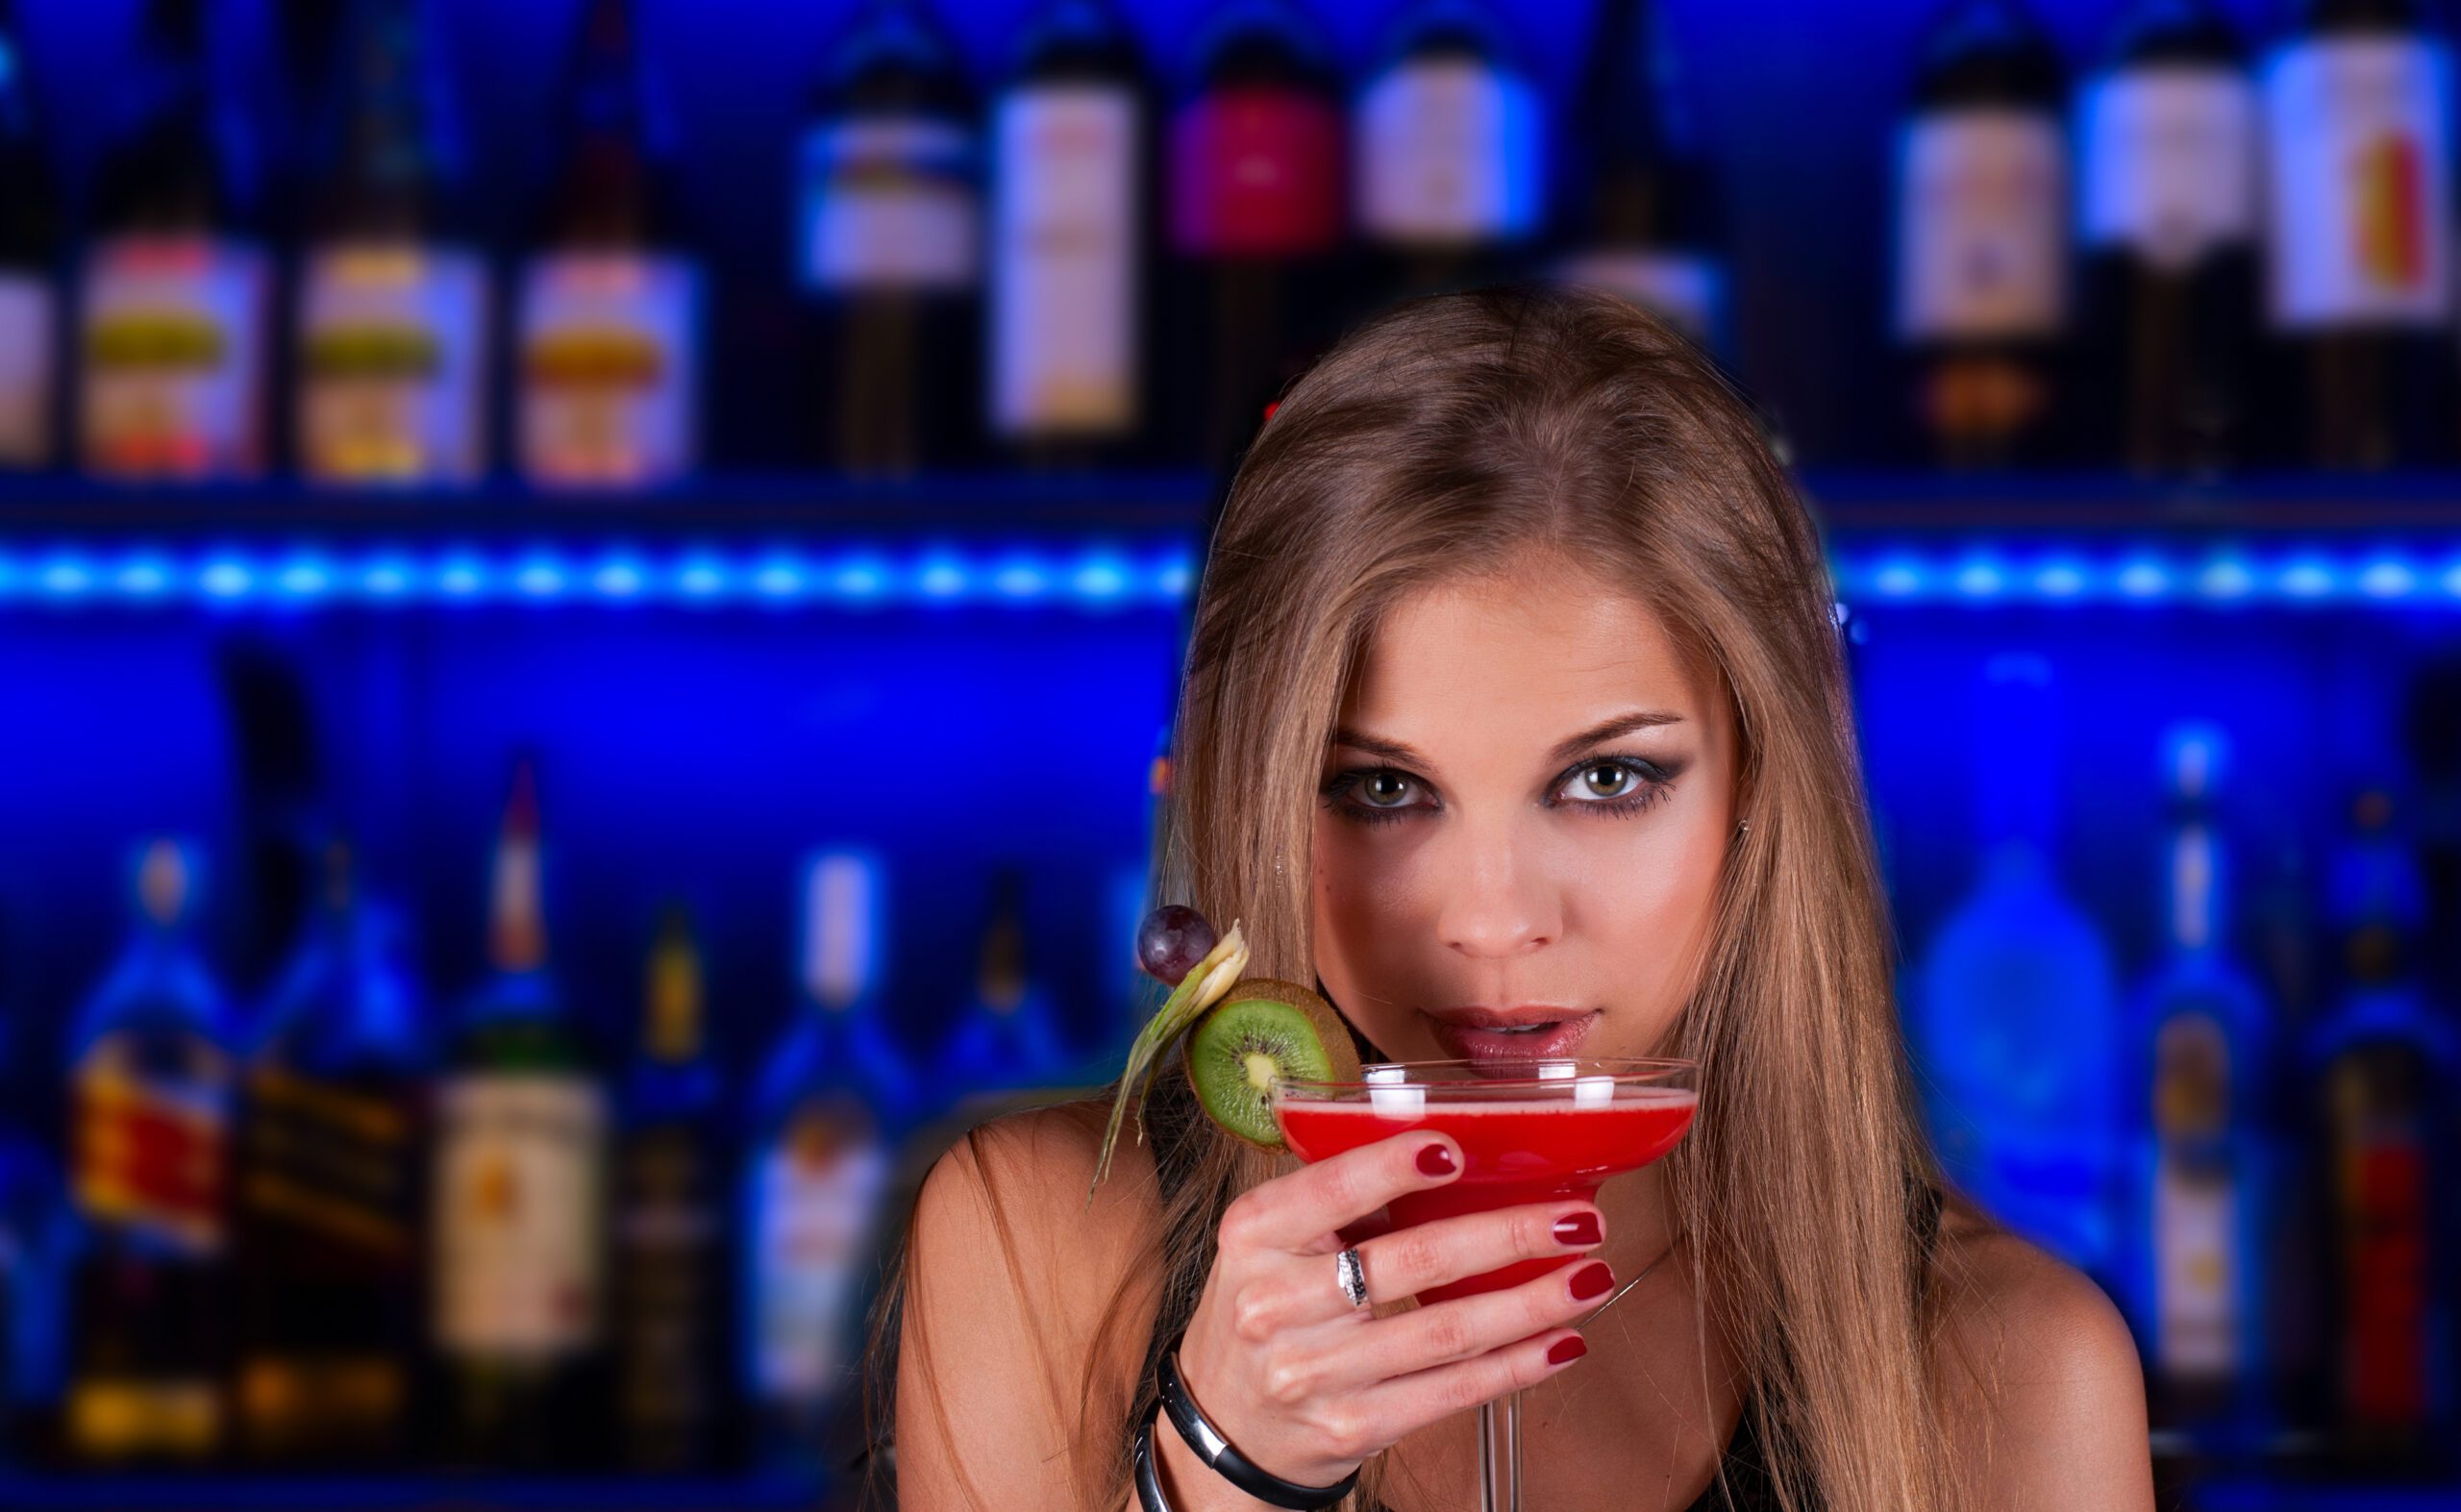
1497,900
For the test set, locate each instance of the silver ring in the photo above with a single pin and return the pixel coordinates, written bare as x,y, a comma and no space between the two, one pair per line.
1354,1274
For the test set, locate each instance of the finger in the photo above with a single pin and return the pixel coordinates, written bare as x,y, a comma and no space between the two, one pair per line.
1465,1327
1404,1405
1409,1262
1299,1213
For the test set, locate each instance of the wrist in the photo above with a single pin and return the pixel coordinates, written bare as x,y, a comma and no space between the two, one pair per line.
1191,1485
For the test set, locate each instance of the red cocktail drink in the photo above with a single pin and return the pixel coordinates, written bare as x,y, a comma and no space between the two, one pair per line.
1541,1140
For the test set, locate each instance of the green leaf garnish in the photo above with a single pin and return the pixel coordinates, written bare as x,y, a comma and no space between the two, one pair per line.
1199,990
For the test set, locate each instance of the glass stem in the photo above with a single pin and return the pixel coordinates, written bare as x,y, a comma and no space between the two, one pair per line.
1500,1456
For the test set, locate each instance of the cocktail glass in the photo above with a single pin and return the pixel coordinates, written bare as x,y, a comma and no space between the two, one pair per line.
1530,1130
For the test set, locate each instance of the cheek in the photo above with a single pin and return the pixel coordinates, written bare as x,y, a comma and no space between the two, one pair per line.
1649,909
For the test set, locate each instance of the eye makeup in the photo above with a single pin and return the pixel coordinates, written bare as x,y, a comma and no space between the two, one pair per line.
1651,781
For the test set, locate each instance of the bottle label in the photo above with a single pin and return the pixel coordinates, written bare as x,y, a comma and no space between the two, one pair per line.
392,352
890,204
327,1165
173,344
1981,249
2196,1202
151,1151
816,1193
1066,285
516,1215
1685,289
2170,163
28,365
2383,1178
610,365
2361,133
1448,155
667,1238
1255,172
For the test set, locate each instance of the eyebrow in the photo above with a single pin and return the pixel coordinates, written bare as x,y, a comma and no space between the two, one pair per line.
1565,749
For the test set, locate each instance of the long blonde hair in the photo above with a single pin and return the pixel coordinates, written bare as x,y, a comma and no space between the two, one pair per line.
1442,439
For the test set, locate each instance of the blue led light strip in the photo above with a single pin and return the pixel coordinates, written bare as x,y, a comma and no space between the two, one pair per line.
1103,577
855,578
2210,578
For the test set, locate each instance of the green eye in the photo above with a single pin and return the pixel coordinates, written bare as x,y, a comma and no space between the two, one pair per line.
1377,791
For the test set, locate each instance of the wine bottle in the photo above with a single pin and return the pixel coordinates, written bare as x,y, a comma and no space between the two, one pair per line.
830,1101
673,1300
30,267
392,315
607,335
1449,185
149,1156
332,1136
1642,206
1255,221
2357,107
1981,230
518,1311
889,249
2167,233
1071,244
173,329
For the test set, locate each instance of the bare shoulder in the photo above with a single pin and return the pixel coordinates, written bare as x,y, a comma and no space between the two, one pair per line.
1023,1302
1021,1188
2044,1393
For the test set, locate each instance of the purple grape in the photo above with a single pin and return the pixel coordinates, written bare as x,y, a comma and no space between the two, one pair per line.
1172,940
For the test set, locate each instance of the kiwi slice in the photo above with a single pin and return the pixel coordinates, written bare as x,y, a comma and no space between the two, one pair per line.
1263,1028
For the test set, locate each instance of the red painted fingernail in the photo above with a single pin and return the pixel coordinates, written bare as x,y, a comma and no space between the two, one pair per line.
1565,1350
1436,1160
1577,1228
1591,1280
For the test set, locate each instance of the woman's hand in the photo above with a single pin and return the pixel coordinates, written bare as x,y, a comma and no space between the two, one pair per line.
1308,1386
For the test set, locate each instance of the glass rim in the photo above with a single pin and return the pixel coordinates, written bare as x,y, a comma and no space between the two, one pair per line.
1622,1070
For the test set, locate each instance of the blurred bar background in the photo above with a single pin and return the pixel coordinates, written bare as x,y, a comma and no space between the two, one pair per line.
589,592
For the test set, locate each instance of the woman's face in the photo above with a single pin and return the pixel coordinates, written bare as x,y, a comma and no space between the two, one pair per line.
1524,809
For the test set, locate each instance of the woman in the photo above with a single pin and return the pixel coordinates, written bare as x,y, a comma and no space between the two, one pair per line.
1514,684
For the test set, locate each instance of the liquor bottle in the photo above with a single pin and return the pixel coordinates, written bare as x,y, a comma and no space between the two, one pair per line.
1448,183
832,1098
1072,179
2357,107
1981,239
1255,219
30,247
1006,1038
890,248
673,1286
1642,211
607,336
2385,1066
149,1156
2167,230
392,315
518,1315
2016,1010
173,330
2204,1168
331,1140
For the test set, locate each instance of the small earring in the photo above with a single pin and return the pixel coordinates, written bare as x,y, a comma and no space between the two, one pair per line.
1743,826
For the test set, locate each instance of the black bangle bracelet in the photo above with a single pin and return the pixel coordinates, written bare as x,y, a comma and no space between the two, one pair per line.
1149,1480
1217,1451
